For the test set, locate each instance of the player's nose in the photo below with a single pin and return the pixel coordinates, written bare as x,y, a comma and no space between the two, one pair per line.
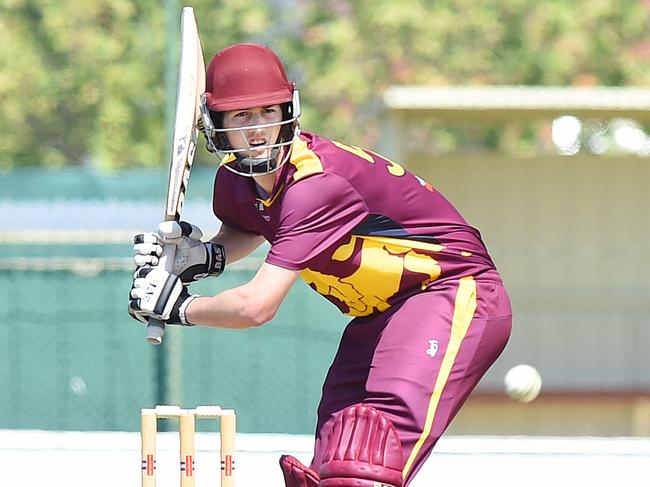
256,131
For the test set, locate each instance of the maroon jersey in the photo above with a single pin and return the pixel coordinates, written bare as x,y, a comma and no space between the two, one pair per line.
364,233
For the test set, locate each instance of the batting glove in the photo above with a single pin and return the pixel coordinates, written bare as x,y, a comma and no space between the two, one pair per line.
193,259
157,294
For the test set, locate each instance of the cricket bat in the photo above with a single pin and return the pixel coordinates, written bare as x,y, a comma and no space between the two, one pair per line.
191,84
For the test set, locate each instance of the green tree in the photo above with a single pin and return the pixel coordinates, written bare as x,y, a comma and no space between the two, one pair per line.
85,83
76,86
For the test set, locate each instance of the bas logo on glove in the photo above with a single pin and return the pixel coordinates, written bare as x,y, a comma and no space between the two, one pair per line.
157,292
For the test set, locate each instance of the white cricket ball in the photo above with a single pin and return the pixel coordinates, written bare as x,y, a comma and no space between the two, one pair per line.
523,383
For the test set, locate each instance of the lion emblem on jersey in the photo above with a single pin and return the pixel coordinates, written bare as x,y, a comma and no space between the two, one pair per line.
380,274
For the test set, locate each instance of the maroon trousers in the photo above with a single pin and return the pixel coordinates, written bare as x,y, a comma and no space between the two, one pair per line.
418,362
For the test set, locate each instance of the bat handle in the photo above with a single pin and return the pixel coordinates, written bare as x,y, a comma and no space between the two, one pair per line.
155,332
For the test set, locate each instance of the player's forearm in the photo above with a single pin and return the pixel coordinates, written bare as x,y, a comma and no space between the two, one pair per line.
233,308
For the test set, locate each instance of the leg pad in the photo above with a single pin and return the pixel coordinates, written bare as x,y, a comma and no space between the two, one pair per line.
296,474
363,449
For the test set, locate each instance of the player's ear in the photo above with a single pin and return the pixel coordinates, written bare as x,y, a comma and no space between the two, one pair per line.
217,119
220,139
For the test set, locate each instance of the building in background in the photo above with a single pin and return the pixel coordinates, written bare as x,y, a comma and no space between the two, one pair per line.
568,226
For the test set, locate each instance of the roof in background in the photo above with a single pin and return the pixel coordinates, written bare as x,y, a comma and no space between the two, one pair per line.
504,102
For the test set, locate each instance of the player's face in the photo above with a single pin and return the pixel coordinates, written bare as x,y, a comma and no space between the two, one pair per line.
251,137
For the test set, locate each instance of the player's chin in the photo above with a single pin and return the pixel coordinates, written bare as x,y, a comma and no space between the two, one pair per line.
259,154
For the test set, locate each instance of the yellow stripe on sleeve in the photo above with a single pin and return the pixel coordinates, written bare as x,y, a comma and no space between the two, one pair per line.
464,309
304,159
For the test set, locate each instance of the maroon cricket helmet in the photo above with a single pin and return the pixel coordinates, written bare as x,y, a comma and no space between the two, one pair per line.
246,76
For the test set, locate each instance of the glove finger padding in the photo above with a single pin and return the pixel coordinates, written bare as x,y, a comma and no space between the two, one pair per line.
171,231
363,450
134,303
296,474
191,231
149,237
148,260
136,315
146,249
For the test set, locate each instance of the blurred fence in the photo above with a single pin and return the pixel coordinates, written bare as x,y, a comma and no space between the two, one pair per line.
72,359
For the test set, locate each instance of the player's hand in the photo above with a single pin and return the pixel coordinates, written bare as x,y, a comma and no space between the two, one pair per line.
193,259
155,293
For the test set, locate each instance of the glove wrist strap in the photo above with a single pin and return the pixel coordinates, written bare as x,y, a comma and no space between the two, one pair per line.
183,308
216,258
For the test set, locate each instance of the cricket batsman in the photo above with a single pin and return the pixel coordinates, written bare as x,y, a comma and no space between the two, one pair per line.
429,310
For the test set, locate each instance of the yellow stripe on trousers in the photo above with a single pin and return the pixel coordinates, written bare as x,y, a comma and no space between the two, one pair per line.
464,308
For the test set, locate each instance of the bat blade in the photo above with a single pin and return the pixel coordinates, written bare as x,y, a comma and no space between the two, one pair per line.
191,84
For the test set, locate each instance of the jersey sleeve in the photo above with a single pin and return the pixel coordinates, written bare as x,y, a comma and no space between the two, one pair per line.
318,212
